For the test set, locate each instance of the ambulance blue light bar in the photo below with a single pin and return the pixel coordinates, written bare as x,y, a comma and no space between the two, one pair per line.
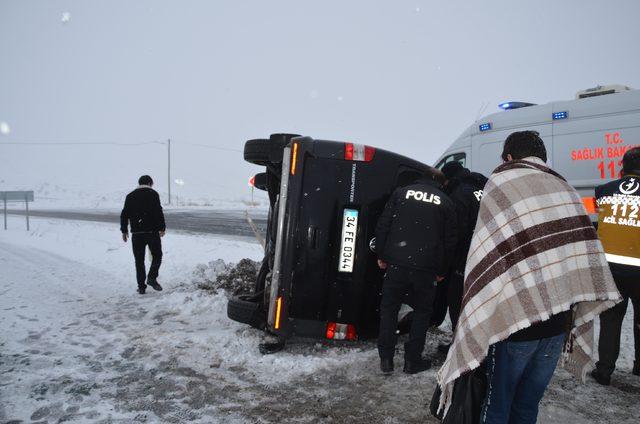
560,115
485,127
514,105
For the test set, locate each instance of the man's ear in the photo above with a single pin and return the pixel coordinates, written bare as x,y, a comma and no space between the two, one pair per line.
509,157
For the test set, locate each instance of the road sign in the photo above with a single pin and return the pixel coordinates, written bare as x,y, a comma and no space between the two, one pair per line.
16,196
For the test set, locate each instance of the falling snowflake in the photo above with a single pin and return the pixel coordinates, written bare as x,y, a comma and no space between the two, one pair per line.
179,181
314,94
417,10
4,128
340,98
66,17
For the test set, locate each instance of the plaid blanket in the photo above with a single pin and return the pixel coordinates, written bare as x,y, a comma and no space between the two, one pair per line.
534,253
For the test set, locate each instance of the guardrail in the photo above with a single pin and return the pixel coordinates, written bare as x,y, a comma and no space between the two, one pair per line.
16,196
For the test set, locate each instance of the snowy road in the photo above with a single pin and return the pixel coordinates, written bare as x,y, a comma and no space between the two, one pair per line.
223,222
78,345
88,355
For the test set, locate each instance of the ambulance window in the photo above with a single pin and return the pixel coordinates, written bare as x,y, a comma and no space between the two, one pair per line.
459,157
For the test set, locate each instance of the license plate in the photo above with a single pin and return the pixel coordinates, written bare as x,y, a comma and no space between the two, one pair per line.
348,241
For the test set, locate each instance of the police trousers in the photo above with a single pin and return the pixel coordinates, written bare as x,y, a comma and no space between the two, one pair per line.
416,289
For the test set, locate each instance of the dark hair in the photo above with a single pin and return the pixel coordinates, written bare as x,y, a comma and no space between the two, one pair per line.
451,169
145,180
522,144
631,161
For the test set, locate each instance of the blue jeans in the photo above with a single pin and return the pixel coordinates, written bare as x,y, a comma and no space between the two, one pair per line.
518,373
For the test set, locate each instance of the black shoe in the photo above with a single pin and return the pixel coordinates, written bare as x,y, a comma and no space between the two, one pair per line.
270,348
142,290
444,348
386,365
636,368
414,367
154,285
601,377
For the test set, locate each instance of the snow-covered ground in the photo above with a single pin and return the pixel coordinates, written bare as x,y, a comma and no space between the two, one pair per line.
79,345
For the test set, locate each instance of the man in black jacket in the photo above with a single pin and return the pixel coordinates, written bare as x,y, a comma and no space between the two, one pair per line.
415,241
142,208
465,189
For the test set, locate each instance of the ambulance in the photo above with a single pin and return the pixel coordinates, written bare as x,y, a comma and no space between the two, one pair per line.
585,137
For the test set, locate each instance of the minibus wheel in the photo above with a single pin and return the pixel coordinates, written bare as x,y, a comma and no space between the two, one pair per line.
247,310
262,151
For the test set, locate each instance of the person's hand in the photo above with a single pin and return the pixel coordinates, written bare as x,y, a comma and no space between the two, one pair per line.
439,278
161,233
125,237
382,264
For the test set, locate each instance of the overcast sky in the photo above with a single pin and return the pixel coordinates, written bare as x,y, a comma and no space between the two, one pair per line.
408,76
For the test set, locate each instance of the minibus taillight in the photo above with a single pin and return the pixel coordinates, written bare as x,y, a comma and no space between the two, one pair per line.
337,331
358,152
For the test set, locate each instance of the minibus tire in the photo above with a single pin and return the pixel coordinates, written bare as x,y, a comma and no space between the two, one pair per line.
262,151
260,181
241,309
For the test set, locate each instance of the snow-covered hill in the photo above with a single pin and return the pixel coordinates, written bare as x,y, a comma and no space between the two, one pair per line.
99,176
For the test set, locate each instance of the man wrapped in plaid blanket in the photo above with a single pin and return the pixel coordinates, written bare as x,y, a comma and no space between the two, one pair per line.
534,256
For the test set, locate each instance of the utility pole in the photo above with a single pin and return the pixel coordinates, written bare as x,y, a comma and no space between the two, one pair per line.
169,168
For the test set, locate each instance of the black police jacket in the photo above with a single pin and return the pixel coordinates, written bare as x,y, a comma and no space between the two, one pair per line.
143,209
417,228
465,189
619,224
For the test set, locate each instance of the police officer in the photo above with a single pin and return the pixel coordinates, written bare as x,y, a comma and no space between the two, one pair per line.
143,210
465,189
619,231
415,241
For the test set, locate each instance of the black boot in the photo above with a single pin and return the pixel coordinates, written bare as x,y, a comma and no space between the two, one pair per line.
141,290
154,284
414,367
636,368
386,365
601,377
